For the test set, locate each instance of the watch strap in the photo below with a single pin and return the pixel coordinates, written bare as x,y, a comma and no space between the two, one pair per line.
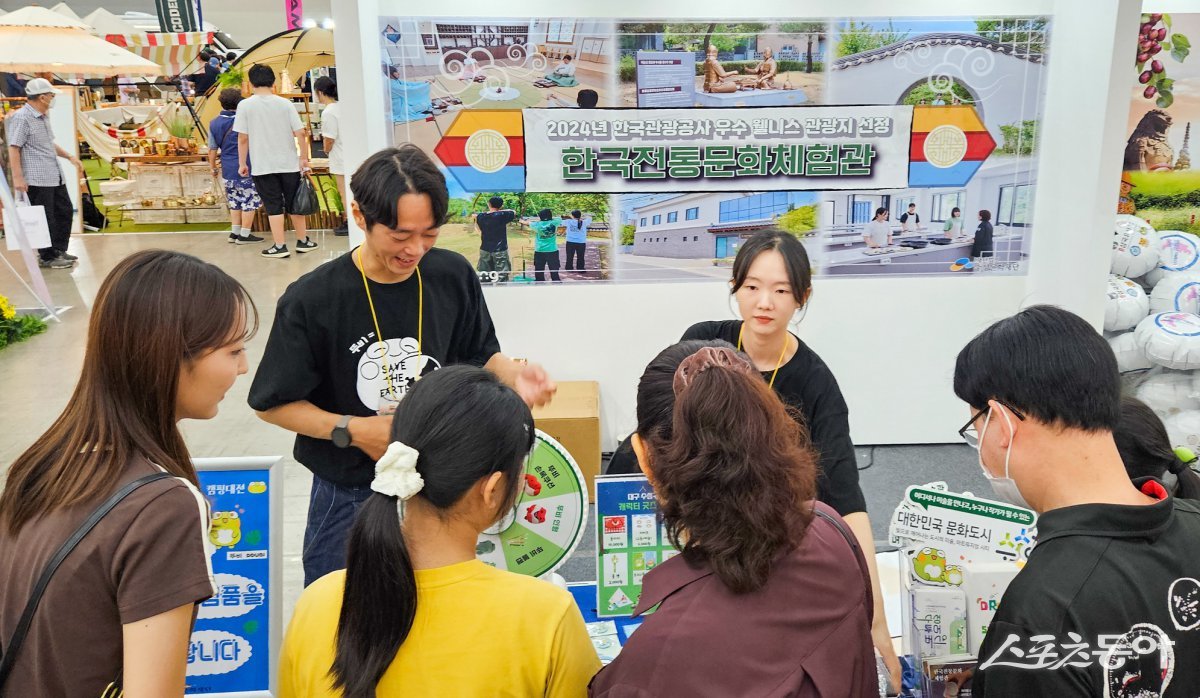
341,427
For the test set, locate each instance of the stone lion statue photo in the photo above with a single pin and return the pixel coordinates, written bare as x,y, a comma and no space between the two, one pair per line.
1147,149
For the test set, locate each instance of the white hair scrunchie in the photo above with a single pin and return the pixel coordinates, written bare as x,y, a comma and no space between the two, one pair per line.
396,474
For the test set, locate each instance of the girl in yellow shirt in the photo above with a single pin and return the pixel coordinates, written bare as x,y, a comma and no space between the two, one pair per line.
414,613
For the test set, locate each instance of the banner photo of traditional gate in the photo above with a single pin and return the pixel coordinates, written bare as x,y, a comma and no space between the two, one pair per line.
651,151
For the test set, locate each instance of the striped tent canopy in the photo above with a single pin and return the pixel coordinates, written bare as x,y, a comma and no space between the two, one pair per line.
172,51
34,40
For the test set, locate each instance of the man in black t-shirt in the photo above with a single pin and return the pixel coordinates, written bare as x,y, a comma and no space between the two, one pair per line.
910,219
494,262
351,336
1108,603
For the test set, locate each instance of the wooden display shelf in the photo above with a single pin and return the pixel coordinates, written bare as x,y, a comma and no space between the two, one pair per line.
160,159
131,208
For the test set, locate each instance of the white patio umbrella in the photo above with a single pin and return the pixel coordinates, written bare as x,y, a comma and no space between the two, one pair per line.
64,9
35,40
104,23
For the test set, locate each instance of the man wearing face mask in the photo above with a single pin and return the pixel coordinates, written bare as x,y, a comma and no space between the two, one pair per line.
36,174
1109,601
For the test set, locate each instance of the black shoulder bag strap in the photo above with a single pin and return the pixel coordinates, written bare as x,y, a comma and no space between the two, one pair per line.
862,565
225,138
9,656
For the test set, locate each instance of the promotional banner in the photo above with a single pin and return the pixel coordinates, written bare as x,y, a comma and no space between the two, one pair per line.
964,529
237,634
176,16
893,146
961,552
629,542
668,150
15,233
1160,185
293,11
1152,306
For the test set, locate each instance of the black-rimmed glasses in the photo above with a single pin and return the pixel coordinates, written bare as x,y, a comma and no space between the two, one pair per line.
971,435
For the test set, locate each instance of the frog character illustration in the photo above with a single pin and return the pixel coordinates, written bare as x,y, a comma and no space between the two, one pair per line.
226,529
929,565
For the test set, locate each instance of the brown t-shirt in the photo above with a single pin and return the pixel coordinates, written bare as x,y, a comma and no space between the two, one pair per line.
147,556
805,634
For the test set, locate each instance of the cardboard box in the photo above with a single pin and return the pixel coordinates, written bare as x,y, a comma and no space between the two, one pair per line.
573,419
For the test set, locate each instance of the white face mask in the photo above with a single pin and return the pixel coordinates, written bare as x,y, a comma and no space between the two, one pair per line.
1005,487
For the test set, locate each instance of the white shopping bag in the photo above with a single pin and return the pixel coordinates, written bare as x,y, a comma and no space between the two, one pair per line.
33,221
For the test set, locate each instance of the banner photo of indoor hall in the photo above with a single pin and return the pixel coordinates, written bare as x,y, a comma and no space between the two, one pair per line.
676,142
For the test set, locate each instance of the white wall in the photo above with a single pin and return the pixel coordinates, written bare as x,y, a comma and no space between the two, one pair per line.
709,205
901,394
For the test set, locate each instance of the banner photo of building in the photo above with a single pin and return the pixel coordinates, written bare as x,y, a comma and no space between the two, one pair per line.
653,150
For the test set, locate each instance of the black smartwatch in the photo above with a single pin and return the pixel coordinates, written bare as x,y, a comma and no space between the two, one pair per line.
341,435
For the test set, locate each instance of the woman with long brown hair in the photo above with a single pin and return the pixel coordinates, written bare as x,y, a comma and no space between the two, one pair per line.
165,343
771,595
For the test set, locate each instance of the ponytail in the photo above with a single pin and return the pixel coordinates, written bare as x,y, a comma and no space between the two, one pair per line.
465,425
379,602
731,464
1187,481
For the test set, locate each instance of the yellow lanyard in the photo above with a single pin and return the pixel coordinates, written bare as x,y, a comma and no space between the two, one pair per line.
387,373
777,363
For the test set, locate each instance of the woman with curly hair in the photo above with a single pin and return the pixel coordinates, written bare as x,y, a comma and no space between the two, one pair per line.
770,595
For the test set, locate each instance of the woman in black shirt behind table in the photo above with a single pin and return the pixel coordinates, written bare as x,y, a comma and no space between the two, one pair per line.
983,245
772,281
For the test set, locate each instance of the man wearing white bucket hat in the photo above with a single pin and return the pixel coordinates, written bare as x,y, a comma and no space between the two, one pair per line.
36,174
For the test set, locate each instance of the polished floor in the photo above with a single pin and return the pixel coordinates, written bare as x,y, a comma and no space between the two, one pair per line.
37,377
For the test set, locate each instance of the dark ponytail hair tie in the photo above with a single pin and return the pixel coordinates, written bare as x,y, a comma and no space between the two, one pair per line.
707,358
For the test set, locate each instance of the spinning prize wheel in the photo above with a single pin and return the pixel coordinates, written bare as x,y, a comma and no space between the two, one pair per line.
547,523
